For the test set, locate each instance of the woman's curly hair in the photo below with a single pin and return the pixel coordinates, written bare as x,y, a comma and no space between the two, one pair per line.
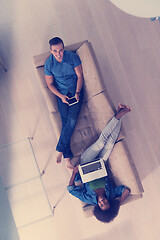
109,214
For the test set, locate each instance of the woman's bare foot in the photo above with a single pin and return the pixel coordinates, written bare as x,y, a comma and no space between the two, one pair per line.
119,107
59,157
122,109
68,163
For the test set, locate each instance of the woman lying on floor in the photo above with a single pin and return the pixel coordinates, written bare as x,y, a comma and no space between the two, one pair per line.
103,193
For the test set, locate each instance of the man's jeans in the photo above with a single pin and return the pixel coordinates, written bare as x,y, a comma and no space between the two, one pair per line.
102,148
69,116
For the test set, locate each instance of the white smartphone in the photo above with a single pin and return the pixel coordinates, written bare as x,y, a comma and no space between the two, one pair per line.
72,101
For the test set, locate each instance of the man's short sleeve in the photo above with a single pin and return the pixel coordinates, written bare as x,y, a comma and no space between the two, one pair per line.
47,68
76,60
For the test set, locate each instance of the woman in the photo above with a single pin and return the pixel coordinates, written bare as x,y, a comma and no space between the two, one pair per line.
103,193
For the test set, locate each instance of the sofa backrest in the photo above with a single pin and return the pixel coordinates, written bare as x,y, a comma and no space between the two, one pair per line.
93,81
39,60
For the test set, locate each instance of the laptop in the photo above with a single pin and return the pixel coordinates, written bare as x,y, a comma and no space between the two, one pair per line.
92,170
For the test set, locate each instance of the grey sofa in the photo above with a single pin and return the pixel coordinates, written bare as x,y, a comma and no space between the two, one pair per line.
97,110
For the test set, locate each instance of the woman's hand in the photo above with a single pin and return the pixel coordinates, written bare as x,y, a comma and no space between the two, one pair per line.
125,194
75,169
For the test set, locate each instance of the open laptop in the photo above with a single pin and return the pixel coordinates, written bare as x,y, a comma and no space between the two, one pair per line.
92,170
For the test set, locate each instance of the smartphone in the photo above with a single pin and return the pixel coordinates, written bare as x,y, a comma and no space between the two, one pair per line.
72,101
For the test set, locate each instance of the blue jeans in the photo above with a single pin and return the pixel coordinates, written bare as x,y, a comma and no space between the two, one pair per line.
154,18
102,148
69,116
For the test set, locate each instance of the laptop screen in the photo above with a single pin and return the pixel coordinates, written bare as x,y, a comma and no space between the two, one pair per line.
91,168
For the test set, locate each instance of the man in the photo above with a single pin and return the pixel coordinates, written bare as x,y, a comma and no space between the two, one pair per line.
64,77
103,193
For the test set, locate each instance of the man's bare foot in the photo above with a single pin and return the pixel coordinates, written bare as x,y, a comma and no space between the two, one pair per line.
122,109
59,157
68,163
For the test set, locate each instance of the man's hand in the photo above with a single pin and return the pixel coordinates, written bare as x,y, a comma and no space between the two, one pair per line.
50,84
77,96
64,98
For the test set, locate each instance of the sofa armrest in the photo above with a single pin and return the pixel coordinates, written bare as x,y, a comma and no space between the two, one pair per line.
50,98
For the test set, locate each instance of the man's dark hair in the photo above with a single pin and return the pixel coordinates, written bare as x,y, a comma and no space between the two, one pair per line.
109,214
55,41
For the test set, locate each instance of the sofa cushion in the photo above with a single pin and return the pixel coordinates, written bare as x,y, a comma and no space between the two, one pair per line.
75,46
51,100
85,133
56,123
123,168
41,77
39,60
101,110
93,82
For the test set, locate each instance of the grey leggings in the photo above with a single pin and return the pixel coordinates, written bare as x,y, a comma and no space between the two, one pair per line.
102,148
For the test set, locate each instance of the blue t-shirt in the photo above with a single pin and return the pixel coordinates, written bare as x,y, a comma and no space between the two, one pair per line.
63,72
86,194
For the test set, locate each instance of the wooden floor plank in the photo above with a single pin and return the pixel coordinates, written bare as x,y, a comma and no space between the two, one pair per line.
127,50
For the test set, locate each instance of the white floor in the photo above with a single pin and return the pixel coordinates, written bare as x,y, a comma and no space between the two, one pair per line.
127,49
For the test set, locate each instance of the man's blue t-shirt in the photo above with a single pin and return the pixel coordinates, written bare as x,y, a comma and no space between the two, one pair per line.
65,78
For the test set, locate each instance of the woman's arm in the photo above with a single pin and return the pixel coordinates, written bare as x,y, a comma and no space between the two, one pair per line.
75,170
124,195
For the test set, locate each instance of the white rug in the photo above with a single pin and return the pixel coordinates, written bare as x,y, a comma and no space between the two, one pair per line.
23,184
